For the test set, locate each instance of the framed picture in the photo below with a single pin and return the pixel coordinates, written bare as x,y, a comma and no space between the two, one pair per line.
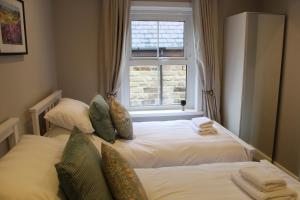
12,28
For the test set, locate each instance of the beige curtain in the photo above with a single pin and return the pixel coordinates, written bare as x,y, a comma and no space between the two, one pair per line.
205,31
114,19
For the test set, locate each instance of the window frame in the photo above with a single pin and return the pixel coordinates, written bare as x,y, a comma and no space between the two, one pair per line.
188,59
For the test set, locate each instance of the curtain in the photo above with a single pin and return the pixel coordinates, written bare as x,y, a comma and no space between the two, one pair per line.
205,33
114,20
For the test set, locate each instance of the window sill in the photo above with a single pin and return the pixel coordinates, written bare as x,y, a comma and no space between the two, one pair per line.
165,114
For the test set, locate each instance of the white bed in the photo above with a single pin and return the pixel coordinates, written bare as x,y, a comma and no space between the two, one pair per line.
27,172
207,181
164,143
172,143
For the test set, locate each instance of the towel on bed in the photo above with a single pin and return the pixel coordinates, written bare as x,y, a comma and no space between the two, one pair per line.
202,122
262,179
246,186
210,131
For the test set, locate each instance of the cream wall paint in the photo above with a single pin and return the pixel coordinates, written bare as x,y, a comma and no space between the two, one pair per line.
76,33
25,79
288,151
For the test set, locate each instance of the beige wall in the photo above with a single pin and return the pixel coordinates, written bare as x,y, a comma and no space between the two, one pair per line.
76,33
24,80
288,151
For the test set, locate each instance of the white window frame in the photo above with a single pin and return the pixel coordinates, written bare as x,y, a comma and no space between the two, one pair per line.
163,14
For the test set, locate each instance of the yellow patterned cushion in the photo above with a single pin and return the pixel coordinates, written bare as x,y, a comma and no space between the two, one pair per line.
122,179
121,119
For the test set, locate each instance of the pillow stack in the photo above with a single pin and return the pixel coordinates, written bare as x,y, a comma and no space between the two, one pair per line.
106,118
83,175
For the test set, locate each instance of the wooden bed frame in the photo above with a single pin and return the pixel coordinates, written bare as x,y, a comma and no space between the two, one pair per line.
39,110
9,130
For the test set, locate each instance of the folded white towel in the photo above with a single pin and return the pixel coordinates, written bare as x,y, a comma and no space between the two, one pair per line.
286,194
262,178
207,131
202,122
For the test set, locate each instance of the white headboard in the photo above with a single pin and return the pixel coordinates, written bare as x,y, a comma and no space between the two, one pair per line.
41,108
9,130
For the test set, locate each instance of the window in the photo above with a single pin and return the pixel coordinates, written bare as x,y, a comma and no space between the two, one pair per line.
157,85
160,69
157,38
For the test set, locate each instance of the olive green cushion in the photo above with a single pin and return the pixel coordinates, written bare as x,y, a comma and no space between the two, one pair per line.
101,119
121,119
79,172
122,179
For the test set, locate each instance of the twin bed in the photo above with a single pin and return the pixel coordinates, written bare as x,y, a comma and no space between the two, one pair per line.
160,144
168,158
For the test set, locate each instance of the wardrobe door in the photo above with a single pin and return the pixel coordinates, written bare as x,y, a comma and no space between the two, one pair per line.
234,58
262,80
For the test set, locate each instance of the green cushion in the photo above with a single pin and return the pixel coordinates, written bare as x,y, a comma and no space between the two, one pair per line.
101,120
122,179
121,119
79,172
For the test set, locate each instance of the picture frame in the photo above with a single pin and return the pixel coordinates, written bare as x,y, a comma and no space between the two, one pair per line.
13,39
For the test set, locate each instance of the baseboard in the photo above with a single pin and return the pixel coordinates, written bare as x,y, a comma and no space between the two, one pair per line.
258,155
286,171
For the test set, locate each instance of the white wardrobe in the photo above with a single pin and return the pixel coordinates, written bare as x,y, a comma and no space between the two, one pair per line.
253,44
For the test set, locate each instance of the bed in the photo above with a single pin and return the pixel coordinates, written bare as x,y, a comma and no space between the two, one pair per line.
160,144
28,172
207,181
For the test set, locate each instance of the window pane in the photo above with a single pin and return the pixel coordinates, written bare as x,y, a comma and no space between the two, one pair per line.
144,85
144,38
171,39
174,84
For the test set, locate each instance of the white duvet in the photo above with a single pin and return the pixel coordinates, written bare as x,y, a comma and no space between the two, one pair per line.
173,143
27,172
207,181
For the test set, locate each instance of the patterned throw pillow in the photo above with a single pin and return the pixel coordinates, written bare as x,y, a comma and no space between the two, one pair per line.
122,179
79,172
101,119
121,119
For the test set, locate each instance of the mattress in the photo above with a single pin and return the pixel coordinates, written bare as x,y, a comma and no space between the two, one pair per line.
172,143
27,172
207,181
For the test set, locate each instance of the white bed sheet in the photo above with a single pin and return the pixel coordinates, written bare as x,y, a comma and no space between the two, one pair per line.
27,172
173,143
207,181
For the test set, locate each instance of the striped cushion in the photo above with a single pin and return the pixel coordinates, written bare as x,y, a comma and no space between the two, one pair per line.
79,172
122,179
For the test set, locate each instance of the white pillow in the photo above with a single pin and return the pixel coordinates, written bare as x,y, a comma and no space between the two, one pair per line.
70,113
